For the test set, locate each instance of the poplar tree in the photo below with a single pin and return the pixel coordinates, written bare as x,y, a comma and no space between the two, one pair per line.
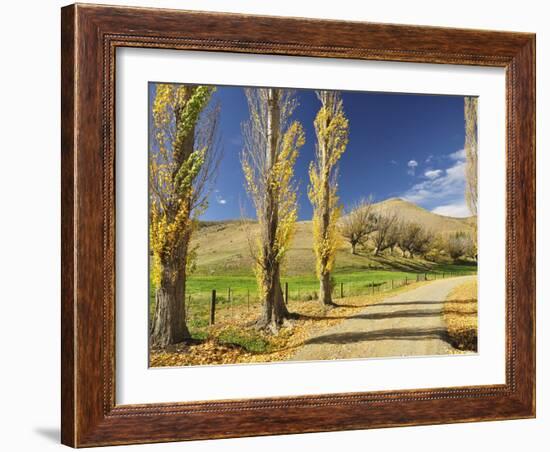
183,159
271,144
470,147
332,131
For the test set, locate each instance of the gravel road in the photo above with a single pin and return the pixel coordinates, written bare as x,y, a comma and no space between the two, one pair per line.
408,324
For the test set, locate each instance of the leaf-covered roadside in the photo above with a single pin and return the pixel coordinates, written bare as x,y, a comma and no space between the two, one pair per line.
460,314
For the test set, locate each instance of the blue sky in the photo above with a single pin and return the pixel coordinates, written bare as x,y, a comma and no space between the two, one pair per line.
400,145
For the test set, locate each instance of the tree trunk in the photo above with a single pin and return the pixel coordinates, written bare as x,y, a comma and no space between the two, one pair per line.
325,290
353,246
274,311
169,323
325,296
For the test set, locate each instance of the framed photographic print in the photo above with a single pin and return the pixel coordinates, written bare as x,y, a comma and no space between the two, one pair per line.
281,225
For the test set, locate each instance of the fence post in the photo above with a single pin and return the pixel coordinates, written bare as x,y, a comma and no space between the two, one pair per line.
286,293
229,294
213,308
392,284
248,299
372,287
425,276
341,290
417,275
406,282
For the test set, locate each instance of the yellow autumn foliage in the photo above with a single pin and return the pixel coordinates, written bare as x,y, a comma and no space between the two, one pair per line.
332,129
173,169
275,178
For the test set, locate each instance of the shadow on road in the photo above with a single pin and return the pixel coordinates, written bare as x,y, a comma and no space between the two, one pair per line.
410,313
409,303
403,334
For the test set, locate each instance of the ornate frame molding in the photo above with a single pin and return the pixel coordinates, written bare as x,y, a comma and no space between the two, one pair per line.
90,37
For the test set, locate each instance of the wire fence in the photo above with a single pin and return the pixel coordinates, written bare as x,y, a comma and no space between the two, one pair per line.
205,308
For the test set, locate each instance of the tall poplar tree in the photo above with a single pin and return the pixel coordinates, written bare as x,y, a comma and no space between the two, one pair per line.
332,131
470,147
271,144
183,159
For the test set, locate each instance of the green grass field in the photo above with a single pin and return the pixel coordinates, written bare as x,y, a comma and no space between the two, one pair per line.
197,284
237,292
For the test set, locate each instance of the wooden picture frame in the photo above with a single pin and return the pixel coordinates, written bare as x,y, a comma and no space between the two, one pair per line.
90,36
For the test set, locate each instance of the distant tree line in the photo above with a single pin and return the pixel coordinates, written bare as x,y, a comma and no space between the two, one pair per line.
364,228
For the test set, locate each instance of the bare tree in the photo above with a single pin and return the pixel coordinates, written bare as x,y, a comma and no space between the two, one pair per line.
423,242
408,236
458,245
393,236
470,147
386,222
470,246
271,144
357,224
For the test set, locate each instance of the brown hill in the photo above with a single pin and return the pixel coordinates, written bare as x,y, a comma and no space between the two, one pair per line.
224,245
409,211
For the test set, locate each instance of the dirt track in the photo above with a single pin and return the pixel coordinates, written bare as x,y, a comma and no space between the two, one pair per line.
408,324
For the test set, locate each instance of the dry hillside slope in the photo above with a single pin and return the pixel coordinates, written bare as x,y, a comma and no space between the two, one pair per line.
224,248
411,212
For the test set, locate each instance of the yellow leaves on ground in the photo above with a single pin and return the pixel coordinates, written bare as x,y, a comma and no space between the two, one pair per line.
209,352
460,314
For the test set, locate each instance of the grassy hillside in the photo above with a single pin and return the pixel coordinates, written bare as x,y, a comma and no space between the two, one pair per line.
411,212
224,249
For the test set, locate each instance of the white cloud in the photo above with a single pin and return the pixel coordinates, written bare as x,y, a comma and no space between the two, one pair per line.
221,200
458,155
412,164
393,162
433,174
453,210
448,186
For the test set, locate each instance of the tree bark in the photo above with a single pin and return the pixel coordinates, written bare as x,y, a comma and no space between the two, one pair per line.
274,311
325,290
353,245
325,294
169,323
